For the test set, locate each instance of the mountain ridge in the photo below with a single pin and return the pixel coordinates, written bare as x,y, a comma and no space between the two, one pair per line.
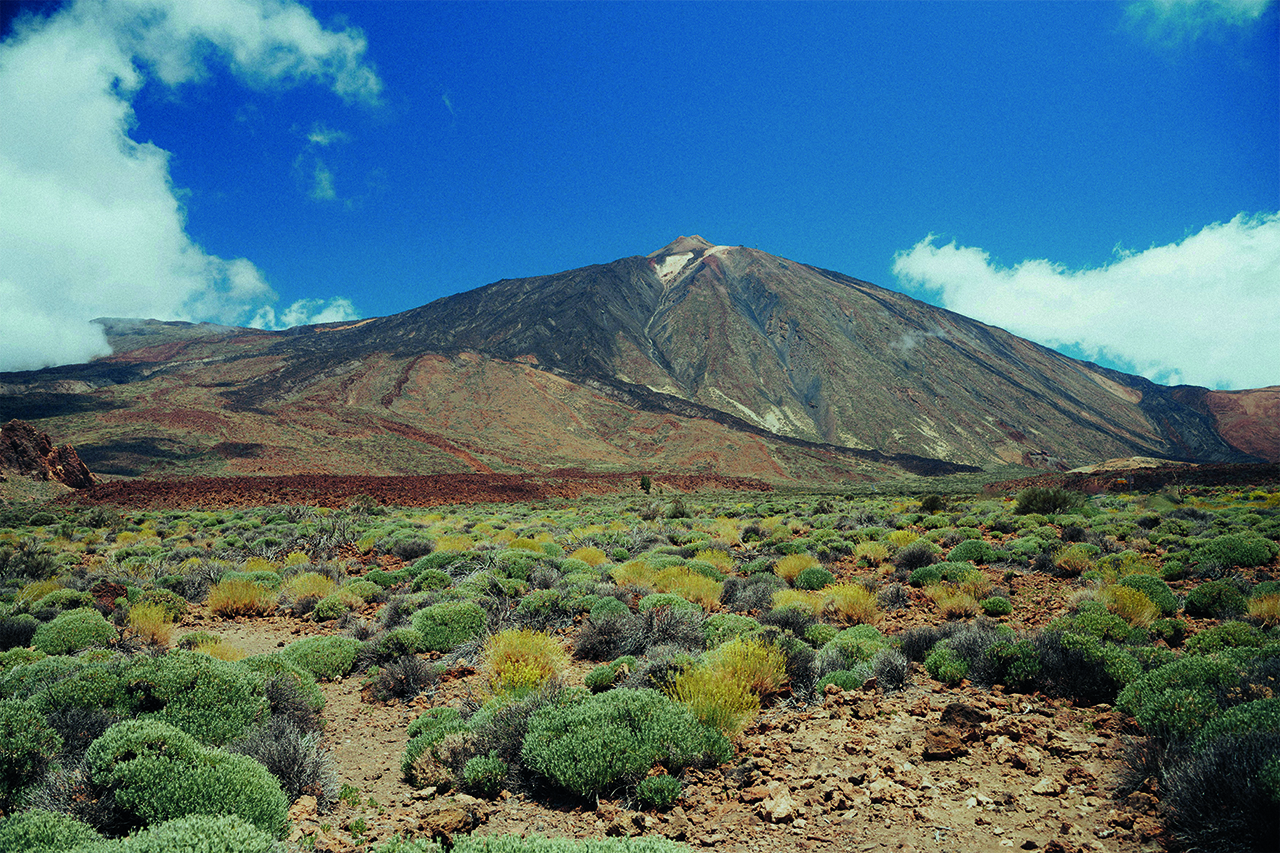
817,372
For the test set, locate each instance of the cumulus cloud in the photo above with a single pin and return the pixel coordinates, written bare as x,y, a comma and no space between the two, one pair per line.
90,222
1175,20
305,312
1202,311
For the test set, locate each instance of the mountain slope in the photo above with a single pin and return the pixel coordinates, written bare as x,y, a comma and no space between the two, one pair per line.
696,356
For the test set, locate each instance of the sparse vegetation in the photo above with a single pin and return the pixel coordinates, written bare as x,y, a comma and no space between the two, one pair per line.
693,624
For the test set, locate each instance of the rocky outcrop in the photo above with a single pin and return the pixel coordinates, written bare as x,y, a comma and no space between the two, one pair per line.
33,454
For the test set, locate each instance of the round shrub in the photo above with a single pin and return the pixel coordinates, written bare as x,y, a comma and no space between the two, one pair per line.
814,577
665,599
432,579
326,658
945,665
658,792
27,745
722,627
974,551
1176,700
1260,715
1215,599
16,631
72,631
1172,631
42,831
845,679
600,678
1237,549
591,746
397,643
200,833
448,624
210,699
333,606
1155,589
157,772
925,576
608,606
996,606
1228,635
484,775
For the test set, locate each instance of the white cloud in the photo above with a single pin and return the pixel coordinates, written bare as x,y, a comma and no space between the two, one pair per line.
306,312
310,168
90,222
1203,311
1175,20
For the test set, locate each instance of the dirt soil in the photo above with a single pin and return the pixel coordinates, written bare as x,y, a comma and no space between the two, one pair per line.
929,768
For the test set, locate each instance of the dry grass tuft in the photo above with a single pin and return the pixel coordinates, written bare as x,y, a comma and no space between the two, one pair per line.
850,603
1266,610
1130,604
241,597
151,623
790,566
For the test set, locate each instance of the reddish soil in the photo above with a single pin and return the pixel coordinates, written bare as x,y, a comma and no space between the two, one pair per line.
429,490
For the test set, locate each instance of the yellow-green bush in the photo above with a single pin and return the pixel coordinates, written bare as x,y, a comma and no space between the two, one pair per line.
518,661
791,565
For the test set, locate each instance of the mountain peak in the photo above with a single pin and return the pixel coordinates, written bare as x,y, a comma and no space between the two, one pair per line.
683,244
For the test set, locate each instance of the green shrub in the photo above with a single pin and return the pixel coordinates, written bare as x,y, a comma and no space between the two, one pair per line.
41,831
1259,715
1172,631
1155,589
1176,700
722,627
175,606
608,606
1237,549
200,833
333,606
326,658
974,551
210,699
1047,501
1093,620
593,745
925,576
72,631
448,624
64,599
945,665
399,642
658,792
276,666
814,577
157,772
600,678
91,685
27,745
819,634
1215,599
845,679
996,606
1228,635
418,764
484,775
1017,665
665,599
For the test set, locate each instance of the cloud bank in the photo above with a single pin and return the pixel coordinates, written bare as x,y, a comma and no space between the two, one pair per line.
1199,312
90,222
1175,20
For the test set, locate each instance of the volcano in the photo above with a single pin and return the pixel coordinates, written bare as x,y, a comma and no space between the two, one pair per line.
695,357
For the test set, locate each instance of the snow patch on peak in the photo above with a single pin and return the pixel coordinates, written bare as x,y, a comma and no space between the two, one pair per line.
681,245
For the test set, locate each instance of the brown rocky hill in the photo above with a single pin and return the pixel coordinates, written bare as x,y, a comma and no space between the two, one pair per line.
28,453
694,358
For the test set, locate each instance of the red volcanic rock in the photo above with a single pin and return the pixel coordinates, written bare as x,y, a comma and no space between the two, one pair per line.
32,453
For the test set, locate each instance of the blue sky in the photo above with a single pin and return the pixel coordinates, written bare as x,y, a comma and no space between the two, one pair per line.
1100,177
